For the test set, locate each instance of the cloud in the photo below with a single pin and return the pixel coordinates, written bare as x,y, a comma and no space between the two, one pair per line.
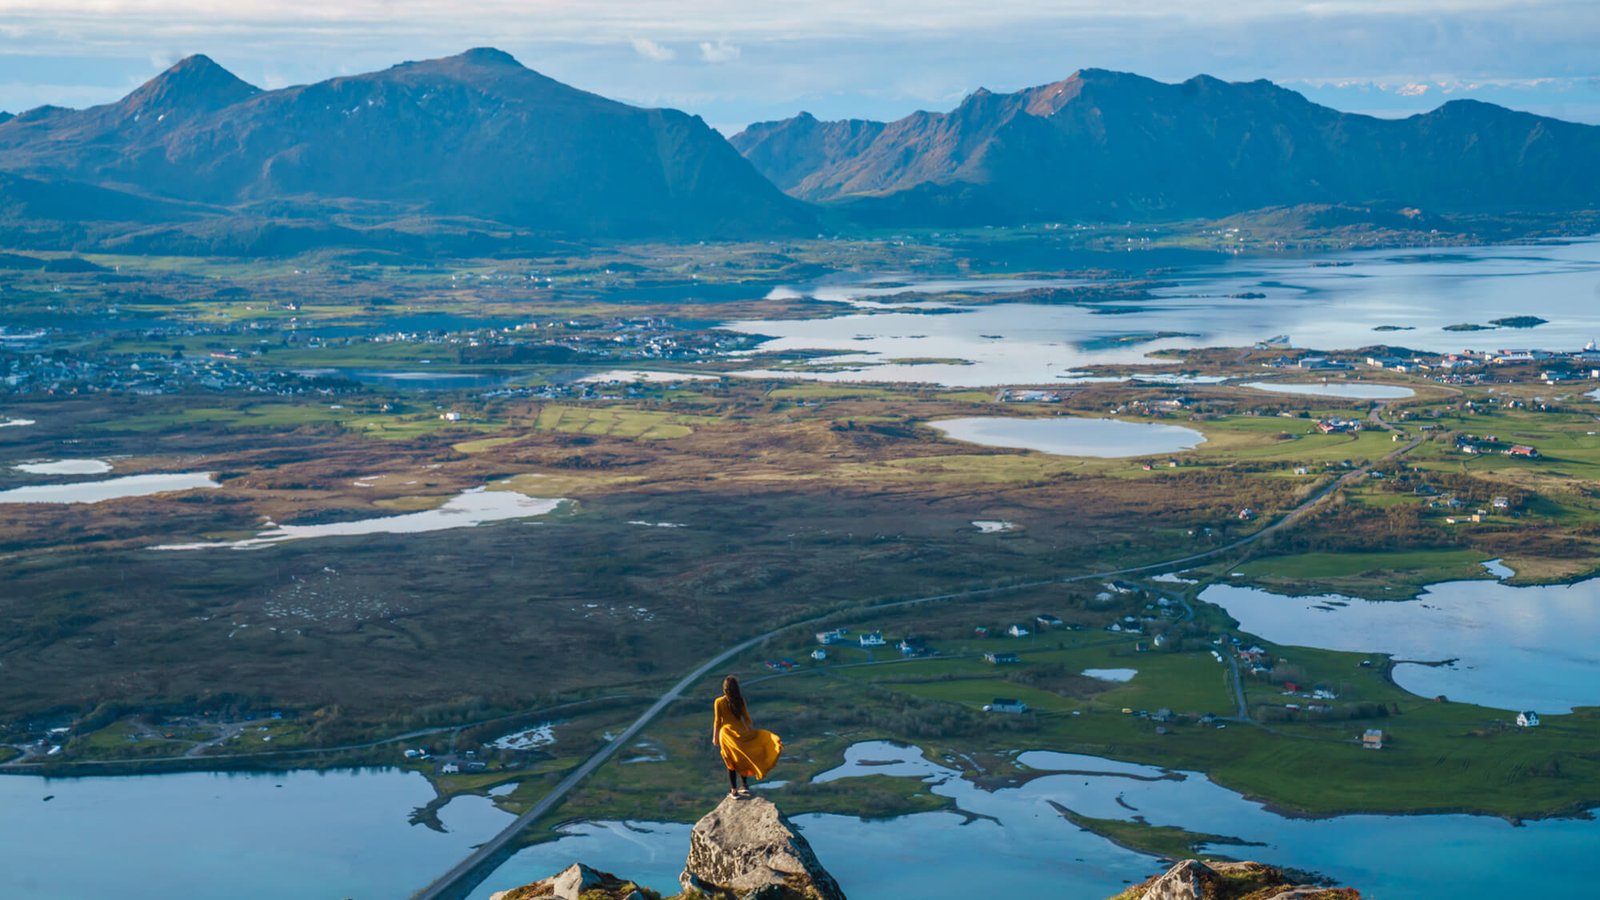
653,51
1411,90
720,52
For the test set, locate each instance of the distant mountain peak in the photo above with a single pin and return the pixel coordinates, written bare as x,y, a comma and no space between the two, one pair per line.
489,56
192,84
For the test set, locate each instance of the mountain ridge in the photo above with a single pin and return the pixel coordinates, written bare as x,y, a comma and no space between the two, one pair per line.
1111,145
476,135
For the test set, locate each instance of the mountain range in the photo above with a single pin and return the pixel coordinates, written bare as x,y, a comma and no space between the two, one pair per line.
1105,145
474,137
475,152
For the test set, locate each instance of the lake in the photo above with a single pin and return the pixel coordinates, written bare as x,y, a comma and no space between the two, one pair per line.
465,510
65,467
295,834
1025,848
110,488
1336,301
1070,436
1355,390
1516,648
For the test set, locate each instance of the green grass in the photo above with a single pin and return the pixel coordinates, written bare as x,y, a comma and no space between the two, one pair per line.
622,422
1380,574
1166,841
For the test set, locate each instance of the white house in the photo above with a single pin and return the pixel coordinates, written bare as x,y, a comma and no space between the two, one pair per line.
1528,719
819,654
873,639
836,636
1018,631
1006,705
449,768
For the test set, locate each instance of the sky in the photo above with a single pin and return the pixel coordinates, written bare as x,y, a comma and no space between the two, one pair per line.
738,61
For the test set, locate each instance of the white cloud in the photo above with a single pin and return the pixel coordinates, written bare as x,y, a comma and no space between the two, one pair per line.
651,50
1414,89
720,52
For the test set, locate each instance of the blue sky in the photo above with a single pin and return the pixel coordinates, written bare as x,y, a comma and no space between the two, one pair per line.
737,61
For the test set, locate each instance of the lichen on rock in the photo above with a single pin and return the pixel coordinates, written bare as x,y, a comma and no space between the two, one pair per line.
746,848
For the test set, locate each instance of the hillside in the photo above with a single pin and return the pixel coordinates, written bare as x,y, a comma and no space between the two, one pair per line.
475,136
1108,145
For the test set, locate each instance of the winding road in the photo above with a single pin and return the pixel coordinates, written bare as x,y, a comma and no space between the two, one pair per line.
459,880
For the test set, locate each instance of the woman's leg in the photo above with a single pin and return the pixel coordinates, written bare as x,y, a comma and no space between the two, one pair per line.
733,783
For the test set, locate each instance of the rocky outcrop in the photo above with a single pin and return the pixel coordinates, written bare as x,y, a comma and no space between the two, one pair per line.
745,848
1195,880
578,882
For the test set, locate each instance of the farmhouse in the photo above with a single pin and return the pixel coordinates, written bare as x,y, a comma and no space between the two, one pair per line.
1528,719
1006,705
1018,631
873,639
1001,659
1372,739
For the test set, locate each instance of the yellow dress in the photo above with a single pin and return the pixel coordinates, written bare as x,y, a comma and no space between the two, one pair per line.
750,751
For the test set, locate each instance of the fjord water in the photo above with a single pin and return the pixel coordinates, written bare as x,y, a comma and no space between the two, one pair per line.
1326,302
1018,845
206,834
1514,648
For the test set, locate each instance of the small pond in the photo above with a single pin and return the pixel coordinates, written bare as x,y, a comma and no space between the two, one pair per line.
65,467
1070,436
465,510
109,489
1354,390
1514,648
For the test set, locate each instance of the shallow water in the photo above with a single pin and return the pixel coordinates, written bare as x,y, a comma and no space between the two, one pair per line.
645,376
293,834
65,467
1516,648
1355,390
1323,306
109,489
1025,848
1071,436
465,510
1111,674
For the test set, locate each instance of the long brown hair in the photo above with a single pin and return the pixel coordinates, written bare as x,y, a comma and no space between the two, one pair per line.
730,689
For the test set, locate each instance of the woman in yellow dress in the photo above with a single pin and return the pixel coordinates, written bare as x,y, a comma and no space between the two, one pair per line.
747,751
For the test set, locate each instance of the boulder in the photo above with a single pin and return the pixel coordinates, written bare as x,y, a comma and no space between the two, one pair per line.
1192,879
745,848
574,882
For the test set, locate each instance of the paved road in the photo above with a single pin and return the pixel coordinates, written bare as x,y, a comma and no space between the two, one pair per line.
455,882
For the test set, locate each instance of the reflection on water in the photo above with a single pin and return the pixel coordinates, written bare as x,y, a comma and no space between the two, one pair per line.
1235,304
206,834
1515,648
1070,436
109,489
1018,845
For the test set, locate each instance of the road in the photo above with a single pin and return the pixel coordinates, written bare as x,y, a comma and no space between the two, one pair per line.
456,883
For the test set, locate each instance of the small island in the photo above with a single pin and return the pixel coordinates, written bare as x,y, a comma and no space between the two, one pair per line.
1518,321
